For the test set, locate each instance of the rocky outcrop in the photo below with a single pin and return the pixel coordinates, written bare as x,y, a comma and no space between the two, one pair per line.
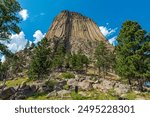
76,32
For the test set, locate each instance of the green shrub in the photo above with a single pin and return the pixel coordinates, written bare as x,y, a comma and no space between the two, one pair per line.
50,84
66,87
68,75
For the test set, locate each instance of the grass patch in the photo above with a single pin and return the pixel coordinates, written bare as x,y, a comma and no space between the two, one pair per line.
16,82
130,96
38,96
76,96
97,95
67,75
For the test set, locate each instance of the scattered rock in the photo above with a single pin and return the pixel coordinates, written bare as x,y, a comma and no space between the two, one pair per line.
96,86
52,94
23,84
7,93
85,85
72,82
121,88
106,85
62,93
59,86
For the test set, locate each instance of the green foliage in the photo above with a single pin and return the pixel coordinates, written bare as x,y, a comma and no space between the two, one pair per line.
66,87
132,52
78,61
103,58
41,63
76,96
9,17
50,84
59,57
68,75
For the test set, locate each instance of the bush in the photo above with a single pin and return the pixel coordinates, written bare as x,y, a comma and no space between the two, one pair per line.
68,75
50,84
66,87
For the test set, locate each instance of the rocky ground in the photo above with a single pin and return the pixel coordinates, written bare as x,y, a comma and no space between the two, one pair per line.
79,87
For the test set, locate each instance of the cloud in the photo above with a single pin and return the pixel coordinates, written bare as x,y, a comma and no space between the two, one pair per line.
24,14
38,35
17,42
107,31
113,40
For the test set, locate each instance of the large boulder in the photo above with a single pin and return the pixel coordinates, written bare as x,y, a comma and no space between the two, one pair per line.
72,82
121,88
85,85
7,93
106,85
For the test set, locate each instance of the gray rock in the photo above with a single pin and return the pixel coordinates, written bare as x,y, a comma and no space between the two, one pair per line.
7,93
85,85
121,88
63,93
72,82
59,86
96,86
106,85
34,88
52,94
23,84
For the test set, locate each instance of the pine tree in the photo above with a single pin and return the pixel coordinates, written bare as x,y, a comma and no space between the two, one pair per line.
103,58
8,22
78,61
132,53
9,17
41,63
59,57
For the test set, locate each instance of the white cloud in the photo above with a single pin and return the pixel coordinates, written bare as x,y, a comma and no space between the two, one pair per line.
24,14
107,31
38,35
17,42
113,40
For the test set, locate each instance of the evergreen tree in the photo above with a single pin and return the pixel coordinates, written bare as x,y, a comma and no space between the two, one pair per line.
9,17
41,63
103,58
8,22
59,57
132,53
78,61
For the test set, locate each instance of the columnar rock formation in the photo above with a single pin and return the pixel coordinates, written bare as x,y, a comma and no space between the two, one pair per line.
76,32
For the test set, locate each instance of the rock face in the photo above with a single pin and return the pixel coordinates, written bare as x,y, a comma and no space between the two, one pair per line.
76,32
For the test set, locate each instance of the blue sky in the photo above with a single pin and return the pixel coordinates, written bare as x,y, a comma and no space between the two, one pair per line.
115,12
108,14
